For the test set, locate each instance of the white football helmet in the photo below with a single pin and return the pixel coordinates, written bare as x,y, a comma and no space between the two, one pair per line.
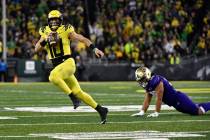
143,75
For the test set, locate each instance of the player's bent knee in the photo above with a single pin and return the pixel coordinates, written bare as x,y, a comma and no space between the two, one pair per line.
53,77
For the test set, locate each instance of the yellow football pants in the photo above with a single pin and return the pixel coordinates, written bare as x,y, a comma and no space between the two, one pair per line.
63,77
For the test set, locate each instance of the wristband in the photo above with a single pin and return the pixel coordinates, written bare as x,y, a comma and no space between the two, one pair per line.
43,43
92,46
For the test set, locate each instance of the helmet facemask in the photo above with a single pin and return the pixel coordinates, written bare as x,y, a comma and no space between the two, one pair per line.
143,75
54,23
55,19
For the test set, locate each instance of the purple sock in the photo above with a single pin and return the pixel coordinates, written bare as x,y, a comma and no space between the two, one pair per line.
205,106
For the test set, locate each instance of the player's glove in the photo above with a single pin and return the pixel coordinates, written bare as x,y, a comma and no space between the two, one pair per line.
140,113
155,114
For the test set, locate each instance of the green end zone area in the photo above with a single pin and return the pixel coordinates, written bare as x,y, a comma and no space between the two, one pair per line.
40,111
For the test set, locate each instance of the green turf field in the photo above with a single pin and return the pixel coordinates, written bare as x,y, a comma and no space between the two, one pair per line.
40,111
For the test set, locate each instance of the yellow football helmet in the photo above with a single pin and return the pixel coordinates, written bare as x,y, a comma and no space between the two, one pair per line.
55,19
143,75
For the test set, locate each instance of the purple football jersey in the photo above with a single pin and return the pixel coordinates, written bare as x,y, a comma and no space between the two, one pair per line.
177,99
169,95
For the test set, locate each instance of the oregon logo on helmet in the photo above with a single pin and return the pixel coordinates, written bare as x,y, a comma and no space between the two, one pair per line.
54,19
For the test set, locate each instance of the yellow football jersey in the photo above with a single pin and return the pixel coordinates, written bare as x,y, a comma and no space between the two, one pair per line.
63,45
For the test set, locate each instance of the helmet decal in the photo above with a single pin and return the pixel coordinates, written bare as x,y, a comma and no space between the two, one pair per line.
143,75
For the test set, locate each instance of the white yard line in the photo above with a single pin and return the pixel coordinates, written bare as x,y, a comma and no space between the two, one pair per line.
30,91
35,105
131,122
7,118
117,108
134,135
79,115
61,93
18,136
102,94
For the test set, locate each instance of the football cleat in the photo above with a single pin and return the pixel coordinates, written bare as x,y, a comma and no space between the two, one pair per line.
103,114
155,114
75,101
140,113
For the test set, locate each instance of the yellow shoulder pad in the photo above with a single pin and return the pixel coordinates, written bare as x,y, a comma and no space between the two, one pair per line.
42,30
69,28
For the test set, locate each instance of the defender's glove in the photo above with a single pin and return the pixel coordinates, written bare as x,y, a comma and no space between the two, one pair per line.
155,114
140,113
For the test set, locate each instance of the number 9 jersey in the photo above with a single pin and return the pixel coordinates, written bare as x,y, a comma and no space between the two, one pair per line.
58,43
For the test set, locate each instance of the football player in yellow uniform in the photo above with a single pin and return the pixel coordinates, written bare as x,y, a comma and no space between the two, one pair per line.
55,38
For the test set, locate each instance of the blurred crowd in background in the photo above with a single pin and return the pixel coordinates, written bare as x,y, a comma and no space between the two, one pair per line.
137,31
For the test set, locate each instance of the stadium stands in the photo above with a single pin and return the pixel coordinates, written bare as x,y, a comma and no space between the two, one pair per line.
127,30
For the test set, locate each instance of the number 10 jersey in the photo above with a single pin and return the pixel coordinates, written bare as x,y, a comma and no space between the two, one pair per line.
62,46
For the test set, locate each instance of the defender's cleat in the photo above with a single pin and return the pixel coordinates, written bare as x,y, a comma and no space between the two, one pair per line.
75,101
103,114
